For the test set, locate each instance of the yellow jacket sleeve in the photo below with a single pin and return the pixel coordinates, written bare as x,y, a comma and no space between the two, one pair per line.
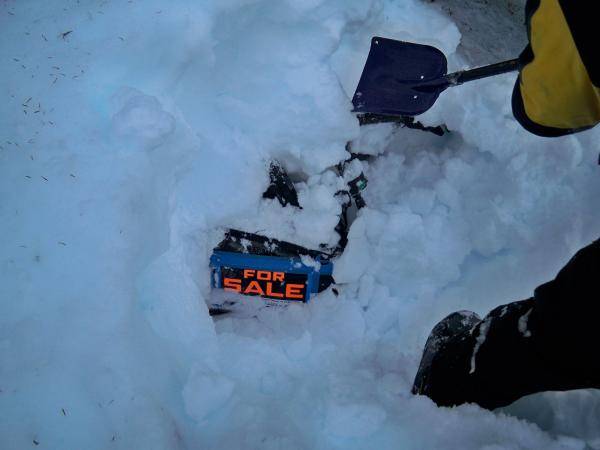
557,91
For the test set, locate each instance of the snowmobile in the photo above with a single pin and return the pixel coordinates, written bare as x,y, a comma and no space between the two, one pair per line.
280,272
400,80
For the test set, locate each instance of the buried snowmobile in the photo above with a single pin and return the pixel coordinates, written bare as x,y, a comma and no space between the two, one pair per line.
280,272
400,80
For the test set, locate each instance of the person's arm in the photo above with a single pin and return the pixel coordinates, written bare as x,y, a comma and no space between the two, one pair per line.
558,89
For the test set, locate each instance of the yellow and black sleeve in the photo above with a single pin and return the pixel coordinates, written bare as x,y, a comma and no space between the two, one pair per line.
558,89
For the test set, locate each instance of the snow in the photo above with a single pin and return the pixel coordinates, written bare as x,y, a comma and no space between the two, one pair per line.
481,337
522,324
130,143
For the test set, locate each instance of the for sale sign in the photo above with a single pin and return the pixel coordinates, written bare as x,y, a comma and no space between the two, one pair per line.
266,283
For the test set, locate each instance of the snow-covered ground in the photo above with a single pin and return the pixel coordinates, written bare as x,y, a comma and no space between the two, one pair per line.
492,30
133,132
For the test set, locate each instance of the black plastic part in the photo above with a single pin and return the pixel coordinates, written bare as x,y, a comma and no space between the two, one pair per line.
342,226
325,281
237,241
216,311
356,186
281,186
403,121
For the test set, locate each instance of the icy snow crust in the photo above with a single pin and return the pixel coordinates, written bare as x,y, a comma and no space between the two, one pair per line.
132,133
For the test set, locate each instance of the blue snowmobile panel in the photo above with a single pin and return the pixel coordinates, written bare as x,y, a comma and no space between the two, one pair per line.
274,277
251,264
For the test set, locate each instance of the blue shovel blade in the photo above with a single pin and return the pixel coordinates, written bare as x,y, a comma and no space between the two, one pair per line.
391,76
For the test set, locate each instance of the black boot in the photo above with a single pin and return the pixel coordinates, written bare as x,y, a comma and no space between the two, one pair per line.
452,328
545,343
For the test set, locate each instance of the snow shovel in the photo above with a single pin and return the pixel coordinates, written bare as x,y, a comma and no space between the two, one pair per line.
405,79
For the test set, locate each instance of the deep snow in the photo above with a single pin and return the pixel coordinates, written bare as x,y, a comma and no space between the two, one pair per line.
132,133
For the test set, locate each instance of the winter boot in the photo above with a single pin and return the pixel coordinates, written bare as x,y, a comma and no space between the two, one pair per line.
452,327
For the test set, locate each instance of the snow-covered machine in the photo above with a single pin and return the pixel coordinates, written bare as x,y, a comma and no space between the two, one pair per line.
400,80
278,271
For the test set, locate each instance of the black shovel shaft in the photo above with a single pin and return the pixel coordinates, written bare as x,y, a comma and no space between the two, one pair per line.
483,72
463,76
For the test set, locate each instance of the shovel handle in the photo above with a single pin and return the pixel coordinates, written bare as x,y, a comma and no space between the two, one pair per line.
464,76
